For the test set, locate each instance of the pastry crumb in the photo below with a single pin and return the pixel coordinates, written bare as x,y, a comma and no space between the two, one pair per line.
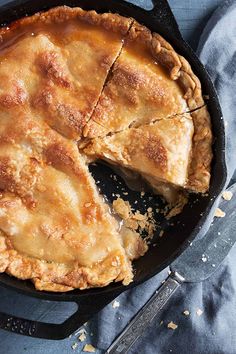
177,208
89,348
82,337
138,216
186,313
172,325
87,205
74,345
199,312
219,213
115,304
227,195
131,224
122,208
143,223
161,233
204,258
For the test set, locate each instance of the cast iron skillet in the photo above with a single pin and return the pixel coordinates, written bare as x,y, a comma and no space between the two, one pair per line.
187,224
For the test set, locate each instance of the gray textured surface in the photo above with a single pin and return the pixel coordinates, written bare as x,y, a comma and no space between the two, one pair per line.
192,16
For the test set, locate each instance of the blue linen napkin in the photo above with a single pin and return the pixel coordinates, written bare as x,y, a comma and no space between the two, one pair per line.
214,332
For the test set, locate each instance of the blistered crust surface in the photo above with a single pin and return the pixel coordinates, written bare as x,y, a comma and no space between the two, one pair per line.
72,78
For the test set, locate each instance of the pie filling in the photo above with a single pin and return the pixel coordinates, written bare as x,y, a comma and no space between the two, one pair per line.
102,82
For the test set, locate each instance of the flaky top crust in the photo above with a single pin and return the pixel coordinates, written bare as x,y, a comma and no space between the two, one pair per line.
46,121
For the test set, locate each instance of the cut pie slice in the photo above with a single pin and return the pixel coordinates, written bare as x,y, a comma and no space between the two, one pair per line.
163,152
58,62
55,228
148,82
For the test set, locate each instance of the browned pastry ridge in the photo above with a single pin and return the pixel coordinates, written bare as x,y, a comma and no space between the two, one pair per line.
103,80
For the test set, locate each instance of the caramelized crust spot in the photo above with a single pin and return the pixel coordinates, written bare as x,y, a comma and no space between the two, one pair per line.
6,175
62,158
44,97
91,214
124,76
57,156
72,117
63,117
156,152
53,69
17,96
19,181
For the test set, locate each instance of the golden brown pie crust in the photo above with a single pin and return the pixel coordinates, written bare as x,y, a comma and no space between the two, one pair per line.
49,206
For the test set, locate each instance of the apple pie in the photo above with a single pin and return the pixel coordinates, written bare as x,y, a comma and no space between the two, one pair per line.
77,86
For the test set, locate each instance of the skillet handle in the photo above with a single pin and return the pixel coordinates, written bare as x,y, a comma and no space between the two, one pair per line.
146,315
86,310
164,15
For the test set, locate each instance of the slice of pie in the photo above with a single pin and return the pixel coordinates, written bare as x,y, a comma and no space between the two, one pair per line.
69,76
171,154
148,82
160,152
60,64
55,228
